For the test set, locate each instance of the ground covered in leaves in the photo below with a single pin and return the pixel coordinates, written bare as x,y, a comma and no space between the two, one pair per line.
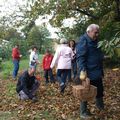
52,105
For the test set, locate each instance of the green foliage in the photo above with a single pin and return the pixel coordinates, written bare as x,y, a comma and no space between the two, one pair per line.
6,49
103,12
11,89
0,62
24,46
6,70
39,36
9,33
109,47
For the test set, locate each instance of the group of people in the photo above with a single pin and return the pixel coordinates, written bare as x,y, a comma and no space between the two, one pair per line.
70,59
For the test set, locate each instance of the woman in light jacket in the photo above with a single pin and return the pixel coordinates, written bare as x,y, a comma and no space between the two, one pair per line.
62,59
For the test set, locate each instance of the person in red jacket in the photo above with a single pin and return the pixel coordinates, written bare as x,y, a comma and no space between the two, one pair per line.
47,59
16,58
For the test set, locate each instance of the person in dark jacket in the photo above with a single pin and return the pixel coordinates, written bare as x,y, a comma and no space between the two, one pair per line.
27,85
89,59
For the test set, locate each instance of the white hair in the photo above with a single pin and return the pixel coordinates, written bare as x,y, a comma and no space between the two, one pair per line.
63,41
91,27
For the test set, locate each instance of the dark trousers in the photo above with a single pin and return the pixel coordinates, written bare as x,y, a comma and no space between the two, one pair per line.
73,71
99,98
32,91
16,68
62,75
48,73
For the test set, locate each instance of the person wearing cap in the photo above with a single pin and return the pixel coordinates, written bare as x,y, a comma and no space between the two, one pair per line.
16,59
62,59
27,85
90,59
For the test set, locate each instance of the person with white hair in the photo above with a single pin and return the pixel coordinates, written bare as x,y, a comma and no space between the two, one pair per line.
89,59
62,59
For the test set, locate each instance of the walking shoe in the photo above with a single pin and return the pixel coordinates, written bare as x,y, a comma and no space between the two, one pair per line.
62,88
34,99
86,115
14,78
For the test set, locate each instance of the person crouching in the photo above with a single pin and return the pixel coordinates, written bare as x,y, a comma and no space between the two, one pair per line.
27,85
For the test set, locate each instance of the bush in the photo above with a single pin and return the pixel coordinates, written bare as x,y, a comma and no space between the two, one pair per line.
109,47
0,62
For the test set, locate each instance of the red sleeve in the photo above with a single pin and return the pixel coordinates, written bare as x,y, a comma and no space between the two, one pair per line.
15,53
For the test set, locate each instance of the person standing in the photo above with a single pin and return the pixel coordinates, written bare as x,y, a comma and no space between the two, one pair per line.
16,59
73,71
62,59
33,58
90,59
47,59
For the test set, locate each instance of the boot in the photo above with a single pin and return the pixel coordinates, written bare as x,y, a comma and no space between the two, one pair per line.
99,103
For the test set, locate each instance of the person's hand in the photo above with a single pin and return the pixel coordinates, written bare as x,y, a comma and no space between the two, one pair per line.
20,56
87,79
37,62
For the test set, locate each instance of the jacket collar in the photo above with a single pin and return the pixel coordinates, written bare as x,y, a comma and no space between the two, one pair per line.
89,39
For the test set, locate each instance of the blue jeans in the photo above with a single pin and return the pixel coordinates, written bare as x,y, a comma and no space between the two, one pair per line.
49,73
69,75
16,68
74,69
62,75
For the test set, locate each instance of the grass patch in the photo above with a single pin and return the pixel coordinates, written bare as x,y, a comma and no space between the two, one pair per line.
11,89
7,67
8,115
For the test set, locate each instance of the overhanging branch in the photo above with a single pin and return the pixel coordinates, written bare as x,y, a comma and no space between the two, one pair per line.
86,13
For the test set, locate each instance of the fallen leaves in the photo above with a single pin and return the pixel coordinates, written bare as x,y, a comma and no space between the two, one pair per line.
52,105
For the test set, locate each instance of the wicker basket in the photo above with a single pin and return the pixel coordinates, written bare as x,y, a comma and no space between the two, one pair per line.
84,94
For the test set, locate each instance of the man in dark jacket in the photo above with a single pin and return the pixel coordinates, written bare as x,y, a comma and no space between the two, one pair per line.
27,85
89,59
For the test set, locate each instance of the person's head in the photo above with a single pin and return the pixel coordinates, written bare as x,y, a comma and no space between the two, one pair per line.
72,43
93,31
63,41
47,51
34,48
16,46
31,71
